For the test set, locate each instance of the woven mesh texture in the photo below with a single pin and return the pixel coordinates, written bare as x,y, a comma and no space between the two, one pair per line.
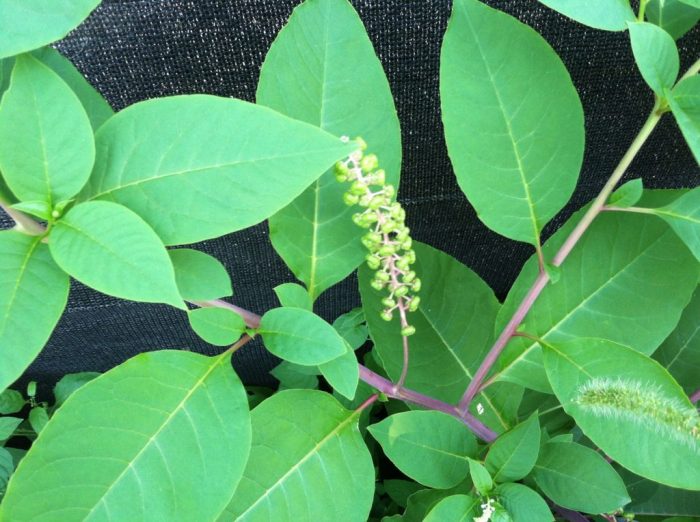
133,50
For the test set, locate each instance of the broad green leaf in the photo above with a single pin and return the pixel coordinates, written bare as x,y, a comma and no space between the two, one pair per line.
6,468
420,503
650,498
483,483
217,326
70,383
46,145
111,249
456,508
299,336
8,425
96,107
190,167
399,490
516,146
454,330
294,295
430,447
305,447
694,3
628,194
199,276
680,352
683,216
523,504
609,15
6,65
33,294
656,55
293,376
342,373
11,401
634,296
29,24
164,436
512,456
684,101
673,16
578,478
352,326
38,418
630,407
322,69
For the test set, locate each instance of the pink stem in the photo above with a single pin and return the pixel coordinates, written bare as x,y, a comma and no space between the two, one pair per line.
695,397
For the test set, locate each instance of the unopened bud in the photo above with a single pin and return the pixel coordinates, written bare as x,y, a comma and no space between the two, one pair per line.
369,162
386,315
413,305
408,330
350,199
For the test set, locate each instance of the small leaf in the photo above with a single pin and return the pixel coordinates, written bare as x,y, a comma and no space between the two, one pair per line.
628,194
352,326
609,15
342,373
217,326
578,478
11,401
111,249
683,216
199,276
303,442
684,101
399,490
70,383
40,209
523,504
7,466
673,16
431,447
650,498
31,390
38,419
8,425
299,336
455,508
293,376
481,478
512,456
294,296
656,55
28,24
46,144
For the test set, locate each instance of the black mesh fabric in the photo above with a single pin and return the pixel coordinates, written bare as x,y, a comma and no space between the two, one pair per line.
133,50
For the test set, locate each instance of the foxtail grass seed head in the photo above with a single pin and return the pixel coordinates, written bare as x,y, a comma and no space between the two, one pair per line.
388,238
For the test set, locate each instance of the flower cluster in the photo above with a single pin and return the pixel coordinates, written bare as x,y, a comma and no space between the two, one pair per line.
387,239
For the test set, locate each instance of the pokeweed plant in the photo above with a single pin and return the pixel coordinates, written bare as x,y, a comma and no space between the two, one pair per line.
572,400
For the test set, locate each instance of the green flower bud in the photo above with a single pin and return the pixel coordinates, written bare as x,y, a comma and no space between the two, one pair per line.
402,263
410,256
381,275
358,188
341,178
364,200
374,237
350,199
408,277
402,234
370,245
415,286
372,262
388,302
377,285
413,305
369,162
387,250
341,168
388,227
408,330
379,177
406,245
401,291
386,315
376,202
361,143
371,217
389,191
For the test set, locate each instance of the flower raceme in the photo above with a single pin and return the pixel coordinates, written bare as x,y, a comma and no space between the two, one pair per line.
387,239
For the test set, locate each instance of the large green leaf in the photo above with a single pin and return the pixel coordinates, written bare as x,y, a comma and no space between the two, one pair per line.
523,504
33,294
455,508
684,101
164,436
680,352
627,280
96,107
199,276
46,143
513,121
300,336
197,167
650,498
610,15
29,24
683,216
111,249
431,447
512,456
308,462
630,407
322,69
577,477
656,55
454,329
674,16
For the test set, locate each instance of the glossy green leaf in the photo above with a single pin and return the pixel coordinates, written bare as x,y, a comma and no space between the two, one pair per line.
199,276
514,453
29,24
656,55
305,447
683,216
294,295
613,299
516,147
455,508
8,425
11,401
189,167
628,194
430,447
70,383
127,261
342,373
650,498
578,478
630,407
96,107
352,326
46,143
454,330
680,352
217,326
38,419
312,73
293,376
33,294
673,16
523,504
164,436
483,483
609,15
399,490
299,336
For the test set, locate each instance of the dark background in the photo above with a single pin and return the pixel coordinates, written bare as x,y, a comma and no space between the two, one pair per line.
132,50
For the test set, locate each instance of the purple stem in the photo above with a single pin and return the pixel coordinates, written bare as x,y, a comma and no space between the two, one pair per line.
695,397
571,516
